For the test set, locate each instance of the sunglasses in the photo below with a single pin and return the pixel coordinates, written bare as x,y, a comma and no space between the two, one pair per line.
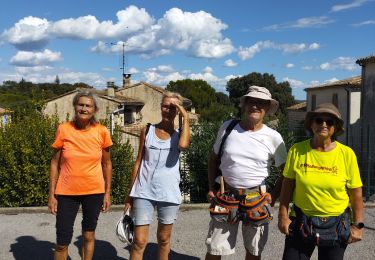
329,121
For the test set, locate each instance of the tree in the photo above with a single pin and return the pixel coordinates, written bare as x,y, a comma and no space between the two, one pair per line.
57,80
211,105
282,92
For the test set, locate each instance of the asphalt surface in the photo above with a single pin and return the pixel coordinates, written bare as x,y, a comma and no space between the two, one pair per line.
29,233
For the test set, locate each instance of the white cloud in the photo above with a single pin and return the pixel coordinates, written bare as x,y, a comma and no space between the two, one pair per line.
314,83
230,63
130,20
342,63
306,22
246,53
29,70
368,22
47,74
29,33
331,80
355,3
133,70
198,34
289,65
30,59
307,67
294,83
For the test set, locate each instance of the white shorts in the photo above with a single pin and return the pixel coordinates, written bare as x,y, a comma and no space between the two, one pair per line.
221,238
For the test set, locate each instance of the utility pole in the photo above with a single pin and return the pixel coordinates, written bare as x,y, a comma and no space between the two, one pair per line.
123,61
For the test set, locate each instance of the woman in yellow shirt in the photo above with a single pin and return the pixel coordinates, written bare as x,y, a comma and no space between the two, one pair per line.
321,177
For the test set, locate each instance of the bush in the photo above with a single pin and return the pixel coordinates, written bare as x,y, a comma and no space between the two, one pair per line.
25,156
202,140
122,164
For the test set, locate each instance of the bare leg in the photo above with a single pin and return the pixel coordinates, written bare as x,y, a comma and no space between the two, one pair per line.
140,242
88,245
164,240
61,252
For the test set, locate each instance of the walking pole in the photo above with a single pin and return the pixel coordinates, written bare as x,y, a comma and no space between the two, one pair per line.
221,184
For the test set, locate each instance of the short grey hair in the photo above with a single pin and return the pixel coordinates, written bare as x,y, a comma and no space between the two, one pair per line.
88,94
169,94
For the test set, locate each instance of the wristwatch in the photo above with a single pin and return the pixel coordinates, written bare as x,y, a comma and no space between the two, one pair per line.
359,225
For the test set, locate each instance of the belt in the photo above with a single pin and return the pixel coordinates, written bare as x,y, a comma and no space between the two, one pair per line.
244,191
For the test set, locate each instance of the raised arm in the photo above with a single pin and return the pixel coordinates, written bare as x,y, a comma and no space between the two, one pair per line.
184,142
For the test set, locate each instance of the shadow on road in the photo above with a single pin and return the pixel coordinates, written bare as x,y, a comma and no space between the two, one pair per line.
152,249
27,247
103,250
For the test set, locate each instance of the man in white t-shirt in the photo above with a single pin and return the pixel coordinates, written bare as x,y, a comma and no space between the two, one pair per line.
248,152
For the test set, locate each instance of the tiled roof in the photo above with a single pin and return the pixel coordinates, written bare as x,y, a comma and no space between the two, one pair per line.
103,94
364,61
186,102
300,106
349,82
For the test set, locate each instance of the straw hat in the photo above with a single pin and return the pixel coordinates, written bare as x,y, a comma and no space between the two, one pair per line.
261,93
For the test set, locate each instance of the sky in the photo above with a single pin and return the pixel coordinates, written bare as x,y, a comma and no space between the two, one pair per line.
306,43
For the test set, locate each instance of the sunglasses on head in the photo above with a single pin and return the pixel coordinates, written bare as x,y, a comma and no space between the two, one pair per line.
329,121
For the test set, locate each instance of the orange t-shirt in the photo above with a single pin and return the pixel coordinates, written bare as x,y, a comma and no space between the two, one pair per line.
81,153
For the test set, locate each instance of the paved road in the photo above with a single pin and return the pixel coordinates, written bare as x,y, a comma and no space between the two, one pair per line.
31,236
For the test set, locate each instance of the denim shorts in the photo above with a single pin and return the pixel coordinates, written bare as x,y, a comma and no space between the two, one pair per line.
143,211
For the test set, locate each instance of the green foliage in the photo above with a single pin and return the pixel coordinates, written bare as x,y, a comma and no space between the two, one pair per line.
211,105
122,163
202,140
18,93
25,156
282,92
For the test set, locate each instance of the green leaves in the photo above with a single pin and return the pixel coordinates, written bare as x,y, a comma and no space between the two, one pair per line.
25,155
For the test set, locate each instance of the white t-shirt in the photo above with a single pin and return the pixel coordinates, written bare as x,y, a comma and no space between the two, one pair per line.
247,156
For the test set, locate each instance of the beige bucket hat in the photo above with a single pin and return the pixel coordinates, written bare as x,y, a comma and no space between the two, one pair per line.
261,93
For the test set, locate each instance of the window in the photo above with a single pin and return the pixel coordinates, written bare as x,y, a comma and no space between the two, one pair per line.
335,99
313,102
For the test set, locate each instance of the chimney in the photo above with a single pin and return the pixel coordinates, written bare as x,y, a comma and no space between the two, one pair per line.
110,89
126,80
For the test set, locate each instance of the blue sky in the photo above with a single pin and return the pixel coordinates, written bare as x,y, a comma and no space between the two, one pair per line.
305,42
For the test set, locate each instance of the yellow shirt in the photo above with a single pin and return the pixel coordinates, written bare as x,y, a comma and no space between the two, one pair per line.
322,178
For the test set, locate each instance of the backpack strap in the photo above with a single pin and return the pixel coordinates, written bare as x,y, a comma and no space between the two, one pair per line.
228,130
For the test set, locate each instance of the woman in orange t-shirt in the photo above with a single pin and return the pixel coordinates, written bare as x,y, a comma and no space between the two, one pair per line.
80,174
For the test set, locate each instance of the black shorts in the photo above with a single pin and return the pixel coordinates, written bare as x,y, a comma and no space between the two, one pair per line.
67,209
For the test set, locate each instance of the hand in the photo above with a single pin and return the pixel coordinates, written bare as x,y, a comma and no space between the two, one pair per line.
210,196
283,225
180,108
52,204
356,234
106,202
269,199
128,204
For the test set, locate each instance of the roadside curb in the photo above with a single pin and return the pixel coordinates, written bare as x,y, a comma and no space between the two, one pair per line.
115,208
